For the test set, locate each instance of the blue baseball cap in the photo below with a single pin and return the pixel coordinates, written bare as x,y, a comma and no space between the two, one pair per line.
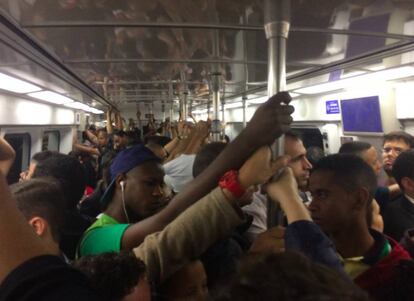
125,161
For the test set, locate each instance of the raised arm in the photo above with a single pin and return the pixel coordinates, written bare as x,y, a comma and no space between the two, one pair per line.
213,218
7,155
270,121
302,235
109,127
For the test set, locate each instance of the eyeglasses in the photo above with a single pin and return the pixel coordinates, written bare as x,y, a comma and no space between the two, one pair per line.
397,150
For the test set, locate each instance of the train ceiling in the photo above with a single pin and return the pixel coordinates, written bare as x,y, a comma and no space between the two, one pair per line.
140,51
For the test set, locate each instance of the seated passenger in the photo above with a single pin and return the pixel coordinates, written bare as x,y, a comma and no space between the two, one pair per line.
116,276
342,188
399,215
69,173
42,204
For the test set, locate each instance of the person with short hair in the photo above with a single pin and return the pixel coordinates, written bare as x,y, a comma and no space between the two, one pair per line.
342,188
301,168
399,215
394,144
288,276
116,276
120,140
368,153
70,175
42,203
36,159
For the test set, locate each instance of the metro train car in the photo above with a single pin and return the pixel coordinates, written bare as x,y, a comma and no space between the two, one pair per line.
66,65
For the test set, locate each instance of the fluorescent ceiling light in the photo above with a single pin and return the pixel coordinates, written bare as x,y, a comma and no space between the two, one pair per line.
16,85
361,80
81,106
76,105
352,74
51,97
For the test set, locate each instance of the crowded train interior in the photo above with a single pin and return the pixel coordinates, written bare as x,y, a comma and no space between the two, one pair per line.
202,150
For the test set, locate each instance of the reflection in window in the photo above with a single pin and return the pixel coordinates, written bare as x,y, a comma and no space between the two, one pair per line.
51,141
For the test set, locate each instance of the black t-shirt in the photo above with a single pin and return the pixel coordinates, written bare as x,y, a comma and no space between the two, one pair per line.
46,278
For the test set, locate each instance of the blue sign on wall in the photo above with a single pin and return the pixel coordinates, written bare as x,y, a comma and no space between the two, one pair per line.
332,107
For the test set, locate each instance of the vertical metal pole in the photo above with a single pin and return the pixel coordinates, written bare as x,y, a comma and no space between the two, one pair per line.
185,109
244,98
216,75
277,24
171,98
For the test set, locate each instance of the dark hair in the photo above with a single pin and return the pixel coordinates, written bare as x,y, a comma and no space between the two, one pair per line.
41,197
354,147
399,135
112,275
119,133
403,167
293,135
43,155
68,172
160,140
206,156
103,130
350,171
289,276
133,137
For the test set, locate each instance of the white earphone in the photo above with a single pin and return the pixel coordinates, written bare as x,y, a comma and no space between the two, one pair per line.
122,183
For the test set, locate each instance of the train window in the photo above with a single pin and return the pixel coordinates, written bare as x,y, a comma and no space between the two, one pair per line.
21,143
51,141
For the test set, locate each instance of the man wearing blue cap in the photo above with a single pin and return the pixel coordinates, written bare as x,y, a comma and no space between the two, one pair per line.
138,174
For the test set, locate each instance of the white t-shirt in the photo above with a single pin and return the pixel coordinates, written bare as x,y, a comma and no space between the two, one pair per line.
179,172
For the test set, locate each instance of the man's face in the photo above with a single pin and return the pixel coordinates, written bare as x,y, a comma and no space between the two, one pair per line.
331,204
391,150
371,158
144,193
102,138
298,162
119,142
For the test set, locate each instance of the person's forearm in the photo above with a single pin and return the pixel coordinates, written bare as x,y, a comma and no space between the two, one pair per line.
7,155
294,208
171,145
91,137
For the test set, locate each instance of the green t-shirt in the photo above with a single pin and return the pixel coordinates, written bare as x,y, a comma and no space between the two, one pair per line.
104,235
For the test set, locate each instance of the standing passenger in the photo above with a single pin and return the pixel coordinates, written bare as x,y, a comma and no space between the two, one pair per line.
399,215
394,144
342,188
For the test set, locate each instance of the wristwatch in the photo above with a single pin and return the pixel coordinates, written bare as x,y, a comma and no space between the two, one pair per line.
230,182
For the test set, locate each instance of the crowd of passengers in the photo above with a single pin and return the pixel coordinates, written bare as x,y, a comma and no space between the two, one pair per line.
163,213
